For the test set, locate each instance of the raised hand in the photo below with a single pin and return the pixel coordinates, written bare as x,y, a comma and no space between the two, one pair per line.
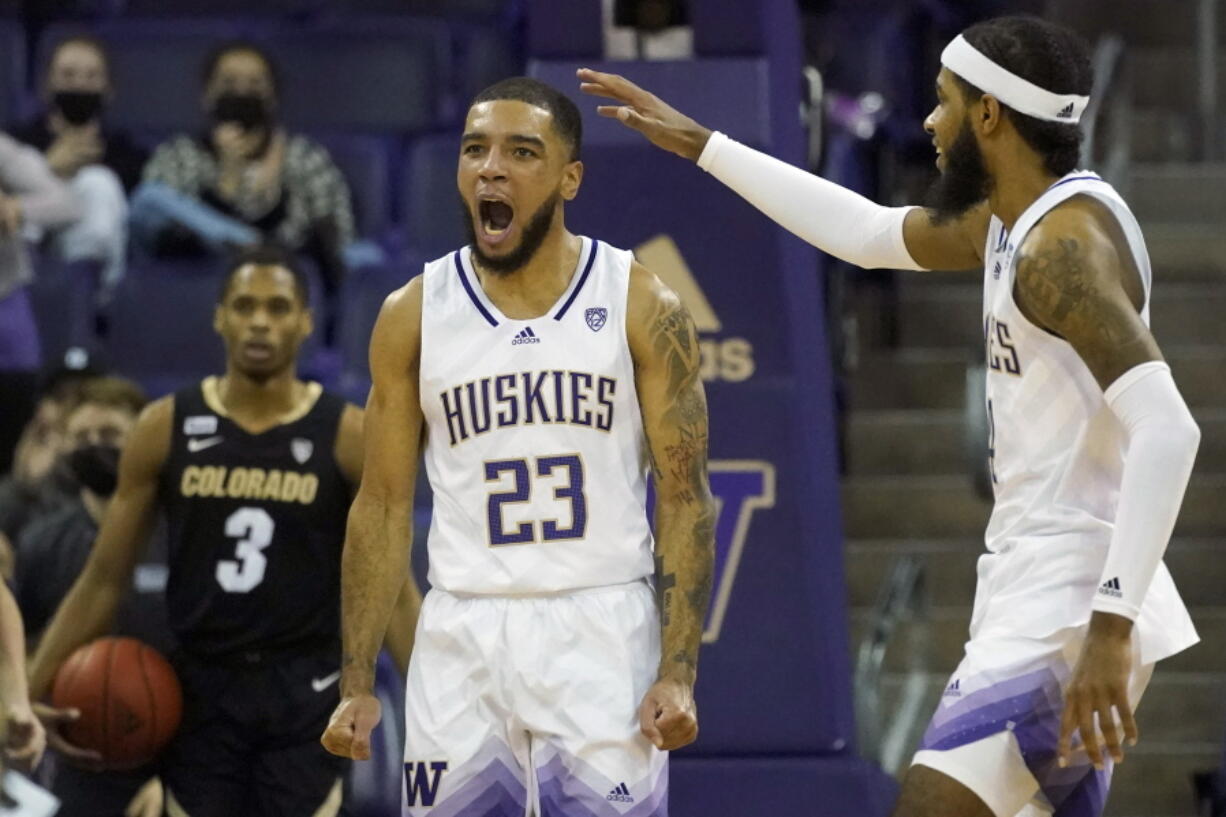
665,126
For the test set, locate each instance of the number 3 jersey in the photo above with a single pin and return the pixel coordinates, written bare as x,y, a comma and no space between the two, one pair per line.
256,525
535,448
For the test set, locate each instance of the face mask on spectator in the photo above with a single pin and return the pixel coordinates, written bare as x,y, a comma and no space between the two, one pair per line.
96,467
78,107
246,110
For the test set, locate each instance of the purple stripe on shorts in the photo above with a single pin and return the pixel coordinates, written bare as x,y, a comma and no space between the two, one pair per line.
563,794
1030,707
494,791
19,348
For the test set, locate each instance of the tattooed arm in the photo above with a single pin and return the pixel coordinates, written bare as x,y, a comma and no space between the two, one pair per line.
1076,278
379,533
1074,282
664,345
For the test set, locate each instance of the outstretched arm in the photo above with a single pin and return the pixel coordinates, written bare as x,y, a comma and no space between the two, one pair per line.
832,218
1072,281
674,408
380,531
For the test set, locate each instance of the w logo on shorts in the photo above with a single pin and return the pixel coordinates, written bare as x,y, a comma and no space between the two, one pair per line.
418,782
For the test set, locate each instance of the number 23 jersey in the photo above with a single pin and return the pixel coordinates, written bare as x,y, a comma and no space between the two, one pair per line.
535,448
256,525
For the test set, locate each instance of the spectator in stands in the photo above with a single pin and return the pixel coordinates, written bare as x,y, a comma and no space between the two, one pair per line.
52,552
98,163
245,180
30,197
39,481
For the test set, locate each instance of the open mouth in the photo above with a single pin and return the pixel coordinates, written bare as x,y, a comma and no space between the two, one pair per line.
496,219
258,351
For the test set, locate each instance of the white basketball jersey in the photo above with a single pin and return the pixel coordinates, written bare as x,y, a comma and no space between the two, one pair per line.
1056,448
535,447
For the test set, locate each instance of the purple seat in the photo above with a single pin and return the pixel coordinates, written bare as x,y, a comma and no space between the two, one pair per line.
12,70
430,204
564,29
363,161
362,296
363,77
63,295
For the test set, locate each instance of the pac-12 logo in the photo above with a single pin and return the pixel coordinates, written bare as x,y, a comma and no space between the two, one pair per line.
421,783
740,487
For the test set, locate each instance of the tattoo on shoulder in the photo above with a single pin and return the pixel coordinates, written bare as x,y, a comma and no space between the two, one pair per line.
1059,285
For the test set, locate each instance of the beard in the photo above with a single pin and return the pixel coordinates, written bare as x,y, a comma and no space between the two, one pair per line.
964,183
534,233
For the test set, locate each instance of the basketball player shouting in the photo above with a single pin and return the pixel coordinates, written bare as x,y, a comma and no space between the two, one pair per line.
254,472
541,371
1092,444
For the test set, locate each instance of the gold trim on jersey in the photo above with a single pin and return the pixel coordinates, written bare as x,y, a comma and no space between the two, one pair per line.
211,386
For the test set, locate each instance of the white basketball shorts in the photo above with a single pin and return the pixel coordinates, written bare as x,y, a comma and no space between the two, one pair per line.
528,706
998,723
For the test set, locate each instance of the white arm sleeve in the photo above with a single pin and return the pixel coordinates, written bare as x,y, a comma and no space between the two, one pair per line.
832,218
1162,442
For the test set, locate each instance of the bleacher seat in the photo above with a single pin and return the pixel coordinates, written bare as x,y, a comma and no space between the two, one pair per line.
12,71
363,161
63,297
155,67
220,8
486,11
430,202
160,323
362,295
564,29
357,79
487,56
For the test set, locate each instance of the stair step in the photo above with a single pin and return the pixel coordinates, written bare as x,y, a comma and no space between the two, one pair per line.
950,315
1156,778
934,441
1186,249
1168,77
950,577
1185,193
936,644
936,378
1141,23
1161,135
905,507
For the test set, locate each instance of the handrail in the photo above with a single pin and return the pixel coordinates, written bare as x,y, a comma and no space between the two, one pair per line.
1110,106
1206,65
902,598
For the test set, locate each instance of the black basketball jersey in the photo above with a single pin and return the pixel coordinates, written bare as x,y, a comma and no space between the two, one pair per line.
256,524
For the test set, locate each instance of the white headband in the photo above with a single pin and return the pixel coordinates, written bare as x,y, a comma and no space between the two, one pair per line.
1021,95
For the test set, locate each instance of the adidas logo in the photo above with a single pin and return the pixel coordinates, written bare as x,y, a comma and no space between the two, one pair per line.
620,794
954,689
1066,112
1111,588
526,336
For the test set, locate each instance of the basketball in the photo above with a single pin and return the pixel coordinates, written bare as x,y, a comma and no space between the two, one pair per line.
129,698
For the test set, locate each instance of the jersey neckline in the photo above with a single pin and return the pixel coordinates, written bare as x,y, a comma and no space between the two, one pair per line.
212,398
493,315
